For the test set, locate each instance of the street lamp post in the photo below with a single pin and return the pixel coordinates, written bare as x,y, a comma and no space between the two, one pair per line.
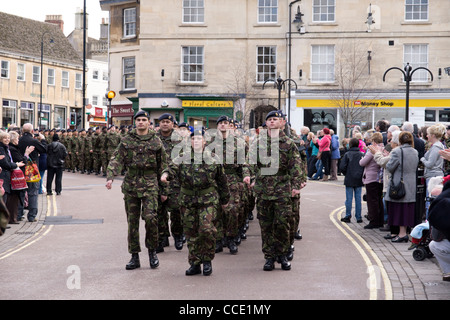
298,19
407,77
42,71
279,83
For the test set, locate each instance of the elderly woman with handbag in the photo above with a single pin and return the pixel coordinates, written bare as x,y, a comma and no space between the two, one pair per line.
402,165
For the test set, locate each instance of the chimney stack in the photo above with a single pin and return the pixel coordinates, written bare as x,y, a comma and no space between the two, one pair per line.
55,19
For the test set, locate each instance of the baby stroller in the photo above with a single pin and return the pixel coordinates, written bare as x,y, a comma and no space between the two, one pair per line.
421,246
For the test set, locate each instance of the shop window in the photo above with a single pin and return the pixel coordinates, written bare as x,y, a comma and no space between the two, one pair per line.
9,113
430,115
444,115
26,112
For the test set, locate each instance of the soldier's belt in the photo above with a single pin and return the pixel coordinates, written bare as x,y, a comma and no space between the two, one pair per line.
140,172
201,192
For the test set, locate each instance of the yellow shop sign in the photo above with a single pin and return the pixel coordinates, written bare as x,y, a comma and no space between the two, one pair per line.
384,103
206,104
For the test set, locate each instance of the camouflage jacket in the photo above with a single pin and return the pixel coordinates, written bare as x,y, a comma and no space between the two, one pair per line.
169,143
144,159
232,153
202,179
276,165
112,140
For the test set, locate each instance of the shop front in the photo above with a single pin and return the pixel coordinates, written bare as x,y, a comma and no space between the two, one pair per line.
205,113
122,114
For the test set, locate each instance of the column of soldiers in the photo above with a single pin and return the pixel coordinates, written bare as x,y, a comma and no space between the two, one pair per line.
207,202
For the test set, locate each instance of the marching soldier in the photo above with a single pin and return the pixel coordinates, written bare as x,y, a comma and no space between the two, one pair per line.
81,151
103,154
203,188
111,142
74,150
277,170
170,139
88,151
142,154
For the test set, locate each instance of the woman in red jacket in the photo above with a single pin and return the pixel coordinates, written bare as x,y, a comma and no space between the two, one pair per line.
324,149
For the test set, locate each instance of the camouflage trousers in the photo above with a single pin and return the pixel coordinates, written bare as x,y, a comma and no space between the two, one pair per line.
170,206
294,220
146,208
229,219
200,231
96,162
274,218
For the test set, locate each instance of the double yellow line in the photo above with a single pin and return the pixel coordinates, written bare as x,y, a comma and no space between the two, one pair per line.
51,211
366,252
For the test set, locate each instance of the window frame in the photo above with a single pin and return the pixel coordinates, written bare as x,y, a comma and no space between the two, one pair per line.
326,64
420,76
196,12
48,77
36,74
21,71
79,82
420,12
264,11
189,64
127,24
271,65
124,74
320,14
7,69
63,79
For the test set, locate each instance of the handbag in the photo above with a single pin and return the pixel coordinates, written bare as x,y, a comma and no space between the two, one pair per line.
32,171
18,181
397,191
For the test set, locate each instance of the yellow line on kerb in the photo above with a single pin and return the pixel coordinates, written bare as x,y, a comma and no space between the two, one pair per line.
39,235
372,282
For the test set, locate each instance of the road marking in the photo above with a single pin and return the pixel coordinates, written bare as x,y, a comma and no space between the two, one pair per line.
39,234
370,267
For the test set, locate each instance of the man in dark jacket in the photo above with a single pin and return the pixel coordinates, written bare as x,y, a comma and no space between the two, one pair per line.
40,147
56,154
353,179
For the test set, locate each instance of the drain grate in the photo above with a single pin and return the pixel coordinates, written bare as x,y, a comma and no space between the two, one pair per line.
64,220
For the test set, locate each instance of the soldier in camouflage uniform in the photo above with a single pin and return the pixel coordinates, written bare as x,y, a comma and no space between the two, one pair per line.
170,138
81,151
96,151
203,189
74,150
227,146
68,162
277,169
142,154
103,154
88,151
111,142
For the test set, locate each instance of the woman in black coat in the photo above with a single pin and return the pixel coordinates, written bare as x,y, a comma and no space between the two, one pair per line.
15,196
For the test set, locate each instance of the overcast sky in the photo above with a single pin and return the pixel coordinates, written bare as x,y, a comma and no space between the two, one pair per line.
38,9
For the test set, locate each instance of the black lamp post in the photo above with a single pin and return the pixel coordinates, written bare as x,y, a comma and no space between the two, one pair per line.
42,71
298,20
279,83
407,76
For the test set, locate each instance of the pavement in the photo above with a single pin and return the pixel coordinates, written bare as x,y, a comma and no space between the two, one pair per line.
408,279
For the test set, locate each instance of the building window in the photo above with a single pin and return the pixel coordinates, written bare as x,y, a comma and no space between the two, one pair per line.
267,11
20,72
322,63
65,79
51,77
78,81
416,10
129,73
95,74
26,112
105,76
193,64
444,116
9,113
324,10
129,23
43,116
60,117
94,100
430,115
193,11
266,63
417,56
4,69
36,74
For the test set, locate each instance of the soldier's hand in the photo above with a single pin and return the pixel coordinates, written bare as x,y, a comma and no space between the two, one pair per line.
163,198
295,192
164,178
247,180
303,185
109,184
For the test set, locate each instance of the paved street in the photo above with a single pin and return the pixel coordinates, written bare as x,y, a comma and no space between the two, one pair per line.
78,250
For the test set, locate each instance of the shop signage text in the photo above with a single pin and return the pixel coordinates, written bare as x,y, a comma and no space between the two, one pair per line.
206,104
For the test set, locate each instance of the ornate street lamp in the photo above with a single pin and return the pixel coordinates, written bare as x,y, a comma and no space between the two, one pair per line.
42,71
407,77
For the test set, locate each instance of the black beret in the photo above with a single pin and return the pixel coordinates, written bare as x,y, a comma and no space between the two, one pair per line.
69,130
167,116
198,132
274,113
222,118
183,125
141,113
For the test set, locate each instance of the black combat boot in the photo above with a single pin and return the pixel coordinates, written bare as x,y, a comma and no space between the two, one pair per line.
134,262
285,264
269,265
290,253
178,242
154,262
194,269
219,246
207,268
232,246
